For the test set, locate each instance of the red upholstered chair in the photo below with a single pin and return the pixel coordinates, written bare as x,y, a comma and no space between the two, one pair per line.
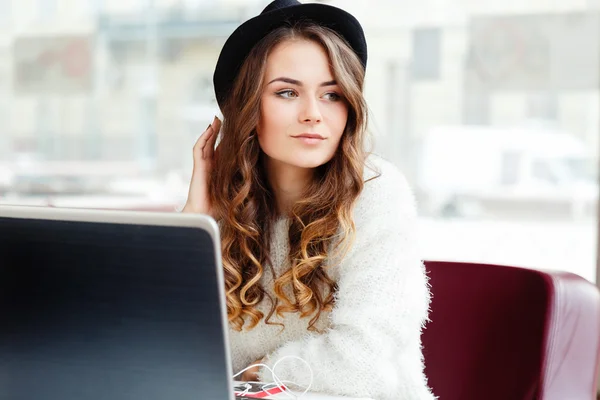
509,333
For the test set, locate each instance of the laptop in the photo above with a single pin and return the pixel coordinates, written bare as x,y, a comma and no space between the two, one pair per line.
116,305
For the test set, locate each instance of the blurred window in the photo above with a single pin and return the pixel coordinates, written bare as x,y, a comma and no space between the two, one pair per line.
93,7
5,12
511,165
543,172
426,48
46,8
543,107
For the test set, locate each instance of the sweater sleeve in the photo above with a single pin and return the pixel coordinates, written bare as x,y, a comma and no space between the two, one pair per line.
373,346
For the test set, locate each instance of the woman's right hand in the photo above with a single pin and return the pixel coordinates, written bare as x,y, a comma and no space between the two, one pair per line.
198,200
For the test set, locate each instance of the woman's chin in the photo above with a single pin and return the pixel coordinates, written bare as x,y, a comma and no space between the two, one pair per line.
309,162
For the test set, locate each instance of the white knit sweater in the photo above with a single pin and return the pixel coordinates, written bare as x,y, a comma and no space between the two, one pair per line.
371,342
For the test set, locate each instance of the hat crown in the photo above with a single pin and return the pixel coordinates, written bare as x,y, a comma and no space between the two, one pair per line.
279,4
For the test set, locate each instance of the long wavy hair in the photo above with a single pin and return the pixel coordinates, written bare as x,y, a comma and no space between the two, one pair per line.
321,223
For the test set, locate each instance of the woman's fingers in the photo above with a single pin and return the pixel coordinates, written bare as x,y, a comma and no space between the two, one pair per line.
209,148
201,144
251,375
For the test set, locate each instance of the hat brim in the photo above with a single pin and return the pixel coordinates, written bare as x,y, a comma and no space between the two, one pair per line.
242,40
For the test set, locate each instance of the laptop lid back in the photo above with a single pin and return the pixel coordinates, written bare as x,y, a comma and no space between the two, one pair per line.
102,305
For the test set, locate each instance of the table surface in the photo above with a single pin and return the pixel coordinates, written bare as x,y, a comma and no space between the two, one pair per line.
314,396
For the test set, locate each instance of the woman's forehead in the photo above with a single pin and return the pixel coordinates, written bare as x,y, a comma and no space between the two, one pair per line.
299,59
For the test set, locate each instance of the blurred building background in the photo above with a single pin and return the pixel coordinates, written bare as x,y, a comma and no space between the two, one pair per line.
492,109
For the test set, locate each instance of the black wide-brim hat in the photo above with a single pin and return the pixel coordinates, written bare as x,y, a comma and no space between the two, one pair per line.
278,13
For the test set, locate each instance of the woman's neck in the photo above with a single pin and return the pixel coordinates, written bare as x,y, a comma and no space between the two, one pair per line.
288,183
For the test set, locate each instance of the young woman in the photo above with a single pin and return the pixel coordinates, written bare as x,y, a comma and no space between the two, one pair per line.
318,237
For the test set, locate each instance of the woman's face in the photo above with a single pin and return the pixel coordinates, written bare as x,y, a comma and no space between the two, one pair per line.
303,113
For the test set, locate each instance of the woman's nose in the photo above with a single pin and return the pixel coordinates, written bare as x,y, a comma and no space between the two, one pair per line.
311,111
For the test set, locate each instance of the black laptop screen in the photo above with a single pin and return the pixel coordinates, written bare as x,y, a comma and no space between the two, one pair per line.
108,311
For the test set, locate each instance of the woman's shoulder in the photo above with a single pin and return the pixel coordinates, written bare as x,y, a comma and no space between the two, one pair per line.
386,190
384,180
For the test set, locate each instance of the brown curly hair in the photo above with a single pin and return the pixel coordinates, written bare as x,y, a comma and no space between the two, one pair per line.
321,224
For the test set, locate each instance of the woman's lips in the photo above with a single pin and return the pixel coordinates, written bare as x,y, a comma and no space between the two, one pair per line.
309,138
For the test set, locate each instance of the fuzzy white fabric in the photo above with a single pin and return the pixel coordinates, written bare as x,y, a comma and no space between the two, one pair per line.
371,341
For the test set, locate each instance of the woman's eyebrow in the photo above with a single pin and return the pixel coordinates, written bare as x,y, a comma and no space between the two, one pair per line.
329,83
298,83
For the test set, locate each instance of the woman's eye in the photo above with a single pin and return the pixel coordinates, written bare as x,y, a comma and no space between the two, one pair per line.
332,96
288,94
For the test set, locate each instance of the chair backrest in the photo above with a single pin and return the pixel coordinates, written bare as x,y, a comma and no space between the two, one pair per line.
500,333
